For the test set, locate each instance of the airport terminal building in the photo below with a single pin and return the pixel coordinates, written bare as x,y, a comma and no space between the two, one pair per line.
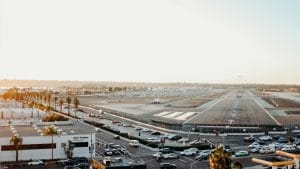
73,140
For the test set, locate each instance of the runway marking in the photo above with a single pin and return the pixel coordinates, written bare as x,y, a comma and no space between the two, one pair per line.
162,113
173,115
176,115
267,113
185,116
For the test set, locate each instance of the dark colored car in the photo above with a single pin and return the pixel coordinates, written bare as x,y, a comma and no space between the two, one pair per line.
168,166
81,160
249,139
83,166
69,163
156,133
276,137
175,137
282,140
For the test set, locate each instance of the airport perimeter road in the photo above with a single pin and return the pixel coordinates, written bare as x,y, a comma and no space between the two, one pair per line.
238,108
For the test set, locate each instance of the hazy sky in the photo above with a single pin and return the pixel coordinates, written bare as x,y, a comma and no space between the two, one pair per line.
154,41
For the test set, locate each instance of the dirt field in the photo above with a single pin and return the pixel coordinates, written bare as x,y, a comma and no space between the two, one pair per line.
281,103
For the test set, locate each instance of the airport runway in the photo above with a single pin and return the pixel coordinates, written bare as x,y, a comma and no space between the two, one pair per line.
234,108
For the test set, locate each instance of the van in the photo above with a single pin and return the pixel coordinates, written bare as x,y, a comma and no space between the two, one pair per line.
134,143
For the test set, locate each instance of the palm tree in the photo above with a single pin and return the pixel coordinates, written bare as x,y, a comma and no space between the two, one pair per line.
220,159
61,102
237,165
48,98
76,103
55,100
51,131
68,100
17,141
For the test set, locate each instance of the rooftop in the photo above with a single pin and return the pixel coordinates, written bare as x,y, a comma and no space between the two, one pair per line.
27,130
27,122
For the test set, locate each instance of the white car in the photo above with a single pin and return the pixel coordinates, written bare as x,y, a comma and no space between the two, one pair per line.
189,152
254,145
170,156
134,143
265,138
97,129
36,162
153,140
158,154
266,150
288,147
276,146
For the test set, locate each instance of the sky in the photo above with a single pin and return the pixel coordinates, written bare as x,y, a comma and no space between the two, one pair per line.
207,41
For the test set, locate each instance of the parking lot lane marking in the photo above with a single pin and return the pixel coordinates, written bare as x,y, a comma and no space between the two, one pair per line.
182,161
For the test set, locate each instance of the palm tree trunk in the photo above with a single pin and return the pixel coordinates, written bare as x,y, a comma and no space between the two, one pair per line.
68,109
17,155
52,146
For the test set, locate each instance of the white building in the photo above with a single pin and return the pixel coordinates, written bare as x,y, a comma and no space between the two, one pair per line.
73,140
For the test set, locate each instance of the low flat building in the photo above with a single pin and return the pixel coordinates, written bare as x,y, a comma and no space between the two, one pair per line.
74,139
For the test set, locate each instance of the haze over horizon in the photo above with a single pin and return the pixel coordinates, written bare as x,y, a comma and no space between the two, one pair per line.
249,41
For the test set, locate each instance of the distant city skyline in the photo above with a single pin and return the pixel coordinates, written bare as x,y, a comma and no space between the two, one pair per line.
249,41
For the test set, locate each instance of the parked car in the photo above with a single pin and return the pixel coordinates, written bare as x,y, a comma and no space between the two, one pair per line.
189,152
228,149
282,140
153,140
134,143
37,162
62,161
288,147
276,137
80,159
265,138
168,166
69,163
249,139
276,145
241,154
83,166
116,137
255,150
156,133
174,137
195,142
266,150
170,156
124,151
71,167
108,152
97,129
201,157
254,145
